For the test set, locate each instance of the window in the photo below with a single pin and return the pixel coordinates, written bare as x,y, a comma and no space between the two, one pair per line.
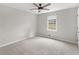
52,23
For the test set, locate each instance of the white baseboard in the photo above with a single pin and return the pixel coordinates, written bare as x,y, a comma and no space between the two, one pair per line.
60,40
21,40
13,42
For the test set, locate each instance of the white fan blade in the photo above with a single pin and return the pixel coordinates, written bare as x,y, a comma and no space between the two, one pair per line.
45,9
35,4
47,5
34,9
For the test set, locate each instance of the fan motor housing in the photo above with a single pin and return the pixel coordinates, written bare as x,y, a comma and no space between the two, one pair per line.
40,7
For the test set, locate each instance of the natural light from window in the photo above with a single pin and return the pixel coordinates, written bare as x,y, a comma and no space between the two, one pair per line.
52,23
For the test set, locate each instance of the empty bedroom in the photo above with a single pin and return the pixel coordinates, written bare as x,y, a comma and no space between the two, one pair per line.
39,28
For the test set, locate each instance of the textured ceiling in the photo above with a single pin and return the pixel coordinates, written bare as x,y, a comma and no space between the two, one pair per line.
28,6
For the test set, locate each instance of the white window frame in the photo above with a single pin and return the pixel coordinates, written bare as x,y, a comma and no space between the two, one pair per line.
51,17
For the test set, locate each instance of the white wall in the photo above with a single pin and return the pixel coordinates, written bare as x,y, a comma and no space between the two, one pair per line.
66,25
15,25
78,26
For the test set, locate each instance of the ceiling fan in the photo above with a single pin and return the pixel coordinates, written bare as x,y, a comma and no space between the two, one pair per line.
40,6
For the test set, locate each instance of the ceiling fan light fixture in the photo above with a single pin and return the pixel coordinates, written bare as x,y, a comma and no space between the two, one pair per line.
41,7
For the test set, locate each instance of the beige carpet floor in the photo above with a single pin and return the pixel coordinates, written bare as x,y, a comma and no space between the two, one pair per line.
40,46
